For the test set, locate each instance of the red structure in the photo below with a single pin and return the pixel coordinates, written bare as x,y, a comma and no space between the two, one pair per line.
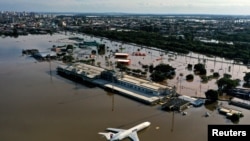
139,54
121,55
124,61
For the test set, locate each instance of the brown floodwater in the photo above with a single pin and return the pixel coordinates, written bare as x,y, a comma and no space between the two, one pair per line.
36,105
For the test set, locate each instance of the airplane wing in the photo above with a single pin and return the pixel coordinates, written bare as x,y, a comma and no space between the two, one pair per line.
134,136
115,130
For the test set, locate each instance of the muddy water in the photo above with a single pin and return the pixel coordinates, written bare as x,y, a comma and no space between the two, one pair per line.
42,106
180,62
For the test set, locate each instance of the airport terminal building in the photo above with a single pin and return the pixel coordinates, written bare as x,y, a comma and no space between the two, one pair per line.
139,88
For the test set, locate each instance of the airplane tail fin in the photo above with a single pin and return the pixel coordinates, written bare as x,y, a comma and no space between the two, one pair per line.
108,135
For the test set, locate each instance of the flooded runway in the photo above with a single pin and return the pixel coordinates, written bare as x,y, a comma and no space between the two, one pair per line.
35,105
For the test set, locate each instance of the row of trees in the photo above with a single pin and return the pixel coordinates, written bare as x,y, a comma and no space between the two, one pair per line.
239,51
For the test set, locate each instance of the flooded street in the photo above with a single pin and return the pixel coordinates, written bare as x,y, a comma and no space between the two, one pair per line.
36,105
180,62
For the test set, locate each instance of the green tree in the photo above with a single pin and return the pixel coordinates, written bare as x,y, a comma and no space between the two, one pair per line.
203,71
226,83
227,75
189,66
212,95
69,47
151,68
216,75
247,77
238,51
190,77
164,68
204,78
157,76
162,72
68,58
235,117
200,69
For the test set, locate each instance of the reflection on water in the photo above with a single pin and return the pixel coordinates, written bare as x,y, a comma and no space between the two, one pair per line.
38,105
211,106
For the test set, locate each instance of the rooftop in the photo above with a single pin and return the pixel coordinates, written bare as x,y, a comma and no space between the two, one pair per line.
143,82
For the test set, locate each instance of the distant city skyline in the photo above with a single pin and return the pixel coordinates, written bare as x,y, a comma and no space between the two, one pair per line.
228,7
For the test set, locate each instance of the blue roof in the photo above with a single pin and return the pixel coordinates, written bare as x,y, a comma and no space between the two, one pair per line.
198,102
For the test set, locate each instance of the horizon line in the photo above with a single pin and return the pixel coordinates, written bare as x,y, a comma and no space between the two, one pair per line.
131,13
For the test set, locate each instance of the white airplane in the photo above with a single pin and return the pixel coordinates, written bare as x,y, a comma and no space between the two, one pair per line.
120,134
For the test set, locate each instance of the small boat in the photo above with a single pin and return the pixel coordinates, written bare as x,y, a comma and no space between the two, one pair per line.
207,114
184,113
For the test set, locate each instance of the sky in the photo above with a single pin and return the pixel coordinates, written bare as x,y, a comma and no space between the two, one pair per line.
231,7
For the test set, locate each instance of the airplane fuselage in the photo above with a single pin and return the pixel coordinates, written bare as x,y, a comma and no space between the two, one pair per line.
126,133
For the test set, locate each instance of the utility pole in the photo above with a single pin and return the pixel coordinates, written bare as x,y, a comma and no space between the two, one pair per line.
113,102
50,71
113,95
173,96
172,127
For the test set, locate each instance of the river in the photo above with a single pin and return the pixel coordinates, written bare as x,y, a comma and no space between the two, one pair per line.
42,106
